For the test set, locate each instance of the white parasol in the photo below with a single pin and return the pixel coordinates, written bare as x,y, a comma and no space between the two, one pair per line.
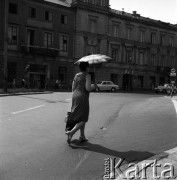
94,59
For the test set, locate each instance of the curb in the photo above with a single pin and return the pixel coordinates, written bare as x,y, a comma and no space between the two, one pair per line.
150,161
24,93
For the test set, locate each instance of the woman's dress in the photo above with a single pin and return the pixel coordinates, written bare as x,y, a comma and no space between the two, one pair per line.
80,99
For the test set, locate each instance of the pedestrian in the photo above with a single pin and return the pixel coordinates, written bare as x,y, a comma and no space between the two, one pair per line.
172,90
81,88
56,84
23,83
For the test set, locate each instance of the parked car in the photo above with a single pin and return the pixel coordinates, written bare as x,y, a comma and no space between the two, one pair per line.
164,88
106,86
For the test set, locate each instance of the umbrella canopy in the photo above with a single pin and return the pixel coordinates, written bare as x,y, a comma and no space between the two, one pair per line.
94,59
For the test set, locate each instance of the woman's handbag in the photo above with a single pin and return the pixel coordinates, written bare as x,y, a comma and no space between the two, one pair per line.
70,123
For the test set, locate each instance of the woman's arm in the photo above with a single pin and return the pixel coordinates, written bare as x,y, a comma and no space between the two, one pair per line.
74,84
88,83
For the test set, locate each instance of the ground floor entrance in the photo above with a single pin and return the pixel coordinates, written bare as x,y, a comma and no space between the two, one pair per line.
127,82
37,80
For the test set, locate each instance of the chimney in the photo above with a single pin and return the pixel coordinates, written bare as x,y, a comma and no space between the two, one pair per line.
135,14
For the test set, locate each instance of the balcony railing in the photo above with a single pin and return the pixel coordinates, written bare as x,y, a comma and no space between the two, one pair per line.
45,51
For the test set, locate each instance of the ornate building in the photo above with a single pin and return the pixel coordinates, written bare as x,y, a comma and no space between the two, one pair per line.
50,35
143,50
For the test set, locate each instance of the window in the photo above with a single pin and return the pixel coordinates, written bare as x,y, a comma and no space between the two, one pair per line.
64,40
32,12
171,41
162,39
30,36
48,39
129,57
141,58
12,35
129,30
153,38
13,8
142,36
162,62
114,54
153,60
48,16
92,25
64,19
102,3
115,31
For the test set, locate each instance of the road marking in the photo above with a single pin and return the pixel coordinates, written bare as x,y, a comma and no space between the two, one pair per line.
68,99
29,109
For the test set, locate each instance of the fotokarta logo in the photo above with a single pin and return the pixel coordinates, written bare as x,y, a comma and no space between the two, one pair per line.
137,171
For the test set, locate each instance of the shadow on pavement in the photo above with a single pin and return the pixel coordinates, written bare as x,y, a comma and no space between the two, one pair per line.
129,156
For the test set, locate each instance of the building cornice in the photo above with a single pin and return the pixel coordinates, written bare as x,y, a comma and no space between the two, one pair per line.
90,7
142,20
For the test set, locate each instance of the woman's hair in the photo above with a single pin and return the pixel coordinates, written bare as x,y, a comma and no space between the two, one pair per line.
83,66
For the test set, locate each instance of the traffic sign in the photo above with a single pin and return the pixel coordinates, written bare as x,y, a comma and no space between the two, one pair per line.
173,74
173,70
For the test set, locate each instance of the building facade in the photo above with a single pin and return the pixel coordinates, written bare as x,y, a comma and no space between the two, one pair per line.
40,42
45,37
142,50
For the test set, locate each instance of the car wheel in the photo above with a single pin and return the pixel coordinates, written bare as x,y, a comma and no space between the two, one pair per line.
113,89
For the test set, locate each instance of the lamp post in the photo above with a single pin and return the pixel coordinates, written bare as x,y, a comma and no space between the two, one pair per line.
5,44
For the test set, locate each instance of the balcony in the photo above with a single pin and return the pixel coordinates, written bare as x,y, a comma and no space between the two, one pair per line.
37,50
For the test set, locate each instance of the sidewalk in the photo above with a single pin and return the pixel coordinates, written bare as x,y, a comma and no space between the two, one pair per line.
23,91
162,166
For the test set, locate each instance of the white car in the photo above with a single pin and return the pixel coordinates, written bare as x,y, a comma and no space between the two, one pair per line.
106,86
166,88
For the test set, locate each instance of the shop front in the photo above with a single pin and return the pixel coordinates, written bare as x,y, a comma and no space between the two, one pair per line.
37,76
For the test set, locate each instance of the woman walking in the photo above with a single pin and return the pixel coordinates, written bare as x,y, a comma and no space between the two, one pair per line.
81,88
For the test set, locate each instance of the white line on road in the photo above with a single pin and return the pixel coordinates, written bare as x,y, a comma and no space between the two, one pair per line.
68,99
17,112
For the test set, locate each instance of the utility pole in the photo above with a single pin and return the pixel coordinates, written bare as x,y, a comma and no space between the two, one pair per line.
5,44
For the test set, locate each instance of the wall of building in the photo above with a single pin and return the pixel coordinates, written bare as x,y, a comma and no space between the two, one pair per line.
52,61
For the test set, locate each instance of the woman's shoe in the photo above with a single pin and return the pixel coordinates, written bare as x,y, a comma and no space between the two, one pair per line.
69,137
82,139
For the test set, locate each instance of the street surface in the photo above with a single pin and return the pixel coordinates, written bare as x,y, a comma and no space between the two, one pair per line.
121,125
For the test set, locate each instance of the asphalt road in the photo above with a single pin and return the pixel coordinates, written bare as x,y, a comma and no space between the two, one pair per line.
33,144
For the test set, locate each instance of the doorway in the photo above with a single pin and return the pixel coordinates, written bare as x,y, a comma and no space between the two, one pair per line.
127,82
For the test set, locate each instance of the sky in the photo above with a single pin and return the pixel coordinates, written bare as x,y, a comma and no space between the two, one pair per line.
163,10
